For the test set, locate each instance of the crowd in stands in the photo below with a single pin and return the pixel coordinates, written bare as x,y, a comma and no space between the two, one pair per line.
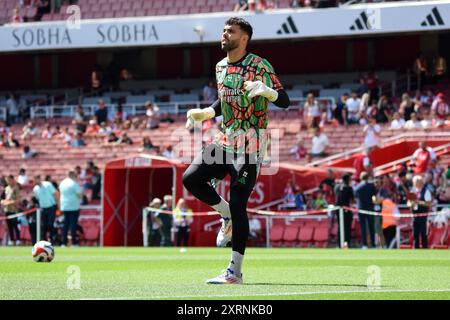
59,202
422,179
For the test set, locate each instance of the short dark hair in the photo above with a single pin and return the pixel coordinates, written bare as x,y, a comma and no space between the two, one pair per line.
243,24
346,178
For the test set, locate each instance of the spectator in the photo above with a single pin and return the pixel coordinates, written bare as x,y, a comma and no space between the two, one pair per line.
182,220
111,139
420,202
289,195
300,202
16,16
353,105
406,107
362,163
43,7
397,122
209,92
124,139
22,178
440,68
147,143
169,152
344,198
364,193
299,150
96,184
96,79
390,214
327,186
383,111
153,224
80,120
93,128
340,110
241,5
311,111
364,109
428,99
125,75
78,141
46,195
47,133
71,195
11,141
413,123
403,187
101,114
421,70
104,129
372,84
10,205
439,108
320,202
422,158
165,221
372,132
153,117
27,153
28,131
363,87
319,144
66,136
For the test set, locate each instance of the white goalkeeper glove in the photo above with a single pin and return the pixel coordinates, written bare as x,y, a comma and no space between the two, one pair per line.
198,115
257,88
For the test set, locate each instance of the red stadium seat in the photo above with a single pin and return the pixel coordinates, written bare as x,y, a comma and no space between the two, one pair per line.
276,235
321,236
437,237
305,236
290,236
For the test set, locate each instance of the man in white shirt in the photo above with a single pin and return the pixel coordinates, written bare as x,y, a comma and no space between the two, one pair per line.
397,122
353,105
372,133
413,123
71,195
45,193
22,178
319,144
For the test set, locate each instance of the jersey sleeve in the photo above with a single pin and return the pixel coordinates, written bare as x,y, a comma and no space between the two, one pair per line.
266,73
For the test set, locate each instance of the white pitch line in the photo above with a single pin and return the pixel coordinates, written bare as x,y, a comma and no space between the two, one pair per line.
271,294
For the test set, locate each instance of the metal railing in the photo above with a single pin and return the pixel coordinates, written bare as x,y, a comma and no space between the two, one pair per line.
136,109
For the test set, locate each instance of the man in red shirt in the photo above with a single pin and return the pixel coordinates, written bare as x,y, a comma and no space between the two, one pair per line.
362,163
422,157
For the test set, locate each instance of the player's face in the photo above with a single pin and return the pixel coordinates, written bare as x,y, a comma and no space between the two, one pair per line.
232,37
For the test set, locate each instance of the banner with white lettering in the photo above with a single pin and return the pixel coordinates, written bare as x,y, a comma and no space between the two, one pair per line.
364,19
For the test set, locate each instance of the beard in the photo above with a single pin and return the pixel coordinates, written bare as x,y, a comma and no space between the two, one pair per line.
231,45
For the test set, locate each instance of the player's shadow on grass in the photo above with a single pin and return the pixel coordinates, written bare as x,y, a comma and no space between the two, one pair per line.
310,284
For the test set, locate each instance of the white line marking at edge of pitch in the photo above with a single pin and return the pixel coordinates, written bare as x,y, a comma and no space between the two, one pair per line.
270,294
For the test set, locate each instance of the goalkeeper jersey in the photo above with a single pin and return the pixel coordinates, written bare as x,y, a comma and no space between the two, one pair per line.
244,119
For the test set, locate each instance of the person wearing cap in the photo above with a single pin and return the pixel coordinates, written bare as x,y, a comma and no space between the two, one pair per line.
439,108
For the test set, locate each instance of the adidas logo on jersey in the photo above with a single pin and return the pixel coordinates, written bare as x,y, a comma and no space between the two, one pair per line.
288,27
433,19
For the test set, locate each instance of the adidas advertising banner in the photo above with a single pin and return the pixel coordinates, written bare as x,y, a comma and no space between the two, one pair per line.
361,19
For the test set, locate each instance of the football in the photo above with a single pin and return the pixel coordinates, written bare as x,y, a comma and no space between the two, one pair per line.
43,251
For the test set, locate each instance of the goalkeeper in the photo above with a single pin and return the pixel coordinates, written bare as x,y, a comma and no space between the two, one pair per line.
246,83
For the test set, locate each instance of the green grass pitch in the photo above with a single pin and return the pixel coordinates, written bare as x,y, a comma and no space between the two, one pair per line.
167,273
